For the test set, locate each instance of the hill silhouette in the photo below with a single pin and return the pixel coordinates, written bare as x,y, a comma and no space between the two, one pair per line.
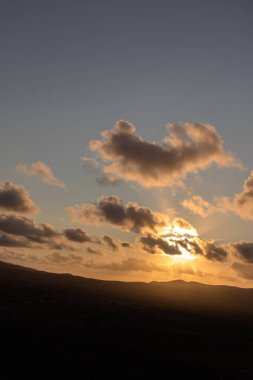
60,325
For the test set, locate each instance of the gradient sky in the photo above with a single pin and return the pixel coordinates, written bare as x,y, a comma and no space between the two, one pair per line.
71,69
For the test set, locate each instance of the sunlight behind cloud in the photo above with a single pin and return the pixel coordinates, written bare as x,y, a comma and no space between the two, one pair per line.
180,234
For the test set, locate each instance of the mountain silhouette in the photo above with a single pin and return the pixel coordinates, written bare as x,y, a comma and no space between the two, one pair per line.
65,326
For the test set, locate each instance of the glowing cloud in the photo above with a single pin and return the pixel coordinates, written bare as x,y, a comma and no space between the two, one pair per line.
187,148
110,210
241,204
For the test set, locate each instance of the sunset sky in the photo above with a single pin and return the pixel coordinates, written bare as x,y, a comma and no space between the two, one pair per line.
126,138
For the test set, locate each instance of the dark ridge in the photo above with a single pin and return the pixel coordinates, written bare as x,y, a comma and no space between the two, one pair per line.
69,327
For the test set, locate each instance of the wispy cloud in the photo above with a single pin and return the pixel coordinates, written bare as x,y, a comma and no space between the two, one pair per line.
41,170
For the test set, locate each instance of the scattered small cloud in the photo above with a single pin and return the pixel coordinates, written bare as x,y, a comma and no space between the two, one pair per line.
125,245
108,240
93,251
77,235
106,180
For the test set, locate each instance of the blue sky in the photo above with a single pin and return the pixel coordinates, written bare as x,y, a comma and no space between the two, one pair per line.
71,69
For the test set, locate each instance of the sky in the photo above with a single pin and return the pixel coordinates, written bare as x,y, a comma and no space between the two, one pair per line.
126,138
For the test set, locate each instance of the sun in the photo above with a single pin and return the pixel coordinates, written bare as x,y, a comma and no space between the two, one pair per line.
181,235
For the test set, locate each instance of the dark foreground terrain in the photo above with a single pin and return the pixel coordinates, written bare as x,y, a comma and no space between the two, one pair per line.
62,326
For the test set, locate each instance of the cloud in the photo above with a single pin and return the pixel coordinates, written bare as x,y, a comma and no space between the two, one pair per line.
93,251
22,226
110,210
154,245
10,241
60,258
125,245
20,231
243,250
16,198
213,252
53,258
186,148
7,255
197,205
110,243
243,270
194,246
26,228
41,170
241,204
106,180
179,235
127,265
132,264
77,235
90,163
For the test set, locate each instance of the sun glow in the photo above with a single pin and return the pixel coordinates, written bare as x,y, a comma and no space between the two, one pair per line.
181,236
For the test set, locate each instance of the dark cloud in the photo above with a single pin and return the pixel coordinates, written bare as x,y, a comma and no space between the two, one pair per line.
110,243
93,251
16,198
22,226
20,231
125,245
187,148
154,245
243,250
10,241
77,235
110,210
214,252
174,244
